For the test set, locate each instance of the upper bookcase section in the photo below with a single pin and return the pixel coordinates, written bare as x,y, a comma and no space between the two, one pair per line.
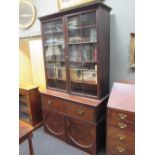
76,50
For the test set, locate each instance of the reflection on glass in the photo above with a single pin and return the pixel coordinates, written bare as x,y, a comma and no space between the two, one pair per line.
75,36
51,70
59,53
89,53
74,22
90,76
58,38
76,72
60,71
57,25
89,19
89,35
75,53
49,53
53,26
56,71
90,73
48,39
53,53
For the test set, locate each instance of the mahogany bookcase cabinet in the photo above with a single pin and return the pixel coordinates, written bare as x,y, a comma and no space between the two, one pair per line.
76,60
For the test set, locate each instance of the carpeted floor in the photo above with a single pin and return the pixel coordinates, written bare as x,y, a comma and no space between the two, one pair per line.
44,144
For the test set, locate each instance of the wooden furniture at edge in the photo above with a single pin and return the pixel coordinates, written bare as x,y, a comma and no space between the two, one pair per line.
25,132
121,120
30,105
76,58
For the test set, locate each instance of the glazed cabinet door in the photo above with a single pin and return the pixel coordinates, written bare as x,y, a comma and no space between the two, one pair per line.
54,124
81,135
54,53
82,51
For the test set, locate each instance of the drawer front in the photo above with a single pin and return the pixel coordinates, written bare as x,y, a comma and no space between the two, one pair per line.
122,116
53,103
117,136
81,135
119,149
69,108
122,121
80,111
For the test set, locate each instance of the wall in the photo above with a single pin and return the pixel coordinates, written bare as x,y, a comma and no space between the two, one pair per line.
25,70
122,24
36,57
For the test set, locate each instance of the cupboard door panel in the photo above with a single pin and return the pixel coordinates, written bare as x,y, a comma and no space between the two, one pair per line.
54,124
81,135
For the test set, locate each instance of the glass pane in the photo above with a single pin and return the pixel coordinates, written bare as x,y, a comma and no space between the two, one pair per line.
75,53
58,38
51,70
89,53
90,89
61,71
57,25
74,22
59,52
89,34
76,72
75,36
48,39
89,19
90,73
47,27
76,77
49,53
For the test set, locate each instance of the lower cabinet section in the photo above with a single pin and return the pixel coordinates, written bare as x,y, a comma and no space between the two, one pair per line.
79,121
54,124
81,135
85,136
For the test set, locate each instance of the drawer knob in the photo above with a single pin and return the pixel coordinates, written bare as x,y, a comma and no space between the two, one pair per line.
80,111
121,137
122,125
49,102
120,149
122,116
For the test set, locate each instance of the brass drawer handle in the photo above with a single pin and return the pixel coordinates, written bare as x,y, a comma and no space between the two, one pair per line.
49,102
121,137
80,111
122,125
122,116
120,149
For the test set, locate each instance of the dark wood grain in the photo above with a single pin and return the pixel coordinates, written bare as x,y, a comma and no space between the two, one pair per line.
54,124
31,97
25,132
121,120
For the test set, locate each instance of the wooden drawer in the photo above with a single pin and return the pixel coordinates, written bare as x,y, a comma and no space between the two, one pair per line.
69,108
121,121
53,103
122,116
119,149
118,136
80,111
